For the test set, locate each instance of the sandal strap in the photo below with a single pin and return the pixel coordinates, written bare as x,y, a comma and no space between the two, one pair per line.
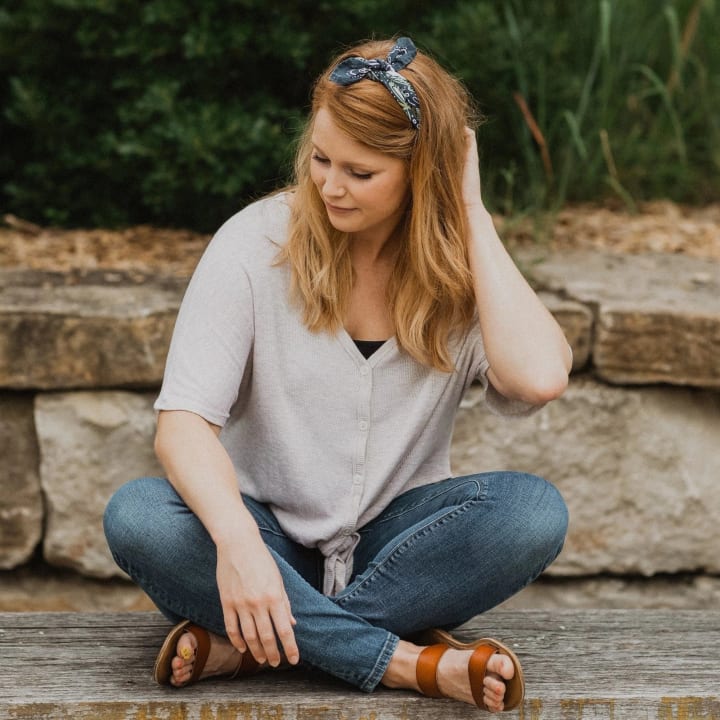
246,666
477,668
426,670
203,650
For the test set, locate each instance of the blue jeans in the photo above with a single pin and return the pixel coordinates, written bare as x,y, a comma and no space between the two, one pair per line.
437,556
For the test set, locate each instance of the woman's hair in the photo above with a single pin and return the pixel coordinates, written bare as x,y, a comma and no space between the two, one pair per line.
430,292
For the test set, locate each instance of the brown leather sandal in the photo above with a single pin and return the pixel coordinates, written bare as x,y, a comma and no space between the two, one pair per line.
162,671
484,649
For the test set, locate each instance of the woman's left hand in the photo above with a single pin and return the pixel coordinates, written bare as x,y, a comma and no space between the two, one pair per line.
471,172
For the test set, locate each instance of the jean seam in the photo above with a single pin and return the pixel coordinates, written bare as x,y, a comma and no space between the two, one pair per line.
400,549
376,674
481,494
272,531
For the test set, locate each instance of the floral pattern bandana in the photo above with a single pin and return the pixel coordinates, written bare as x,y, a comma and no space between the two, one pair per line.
352,69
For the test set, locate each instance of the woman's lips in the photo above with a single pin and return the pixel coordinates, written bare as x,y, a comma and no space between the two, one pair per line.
338,210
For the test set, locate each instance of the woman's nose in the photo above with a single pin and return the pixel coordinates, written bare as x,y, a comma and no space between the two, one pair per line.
333,185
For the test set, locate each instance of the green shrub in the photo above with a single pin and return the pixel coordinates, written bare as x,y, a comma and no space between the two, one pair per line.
172,112
177,113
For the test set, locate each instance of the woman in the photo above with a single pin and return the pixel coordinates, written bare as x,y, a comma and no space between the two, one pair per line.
319,357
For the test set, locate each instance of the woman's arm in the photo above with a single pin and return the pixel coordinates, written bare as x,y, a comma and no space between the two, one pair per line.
254,602
527,351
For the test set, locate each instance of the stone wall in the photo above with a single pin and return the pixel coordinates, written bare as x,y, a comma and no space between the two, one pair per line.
632,444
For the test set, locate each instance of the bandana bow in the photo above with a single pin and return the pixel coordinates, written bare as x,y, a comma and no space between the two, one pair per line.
352,69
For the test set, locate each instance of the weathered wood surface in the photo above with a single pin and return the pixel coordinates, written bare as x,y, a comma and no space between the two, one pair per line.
589,665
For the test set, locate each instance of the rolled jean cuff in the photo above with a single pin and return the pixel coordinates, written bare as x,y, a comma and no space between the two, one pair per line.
376,674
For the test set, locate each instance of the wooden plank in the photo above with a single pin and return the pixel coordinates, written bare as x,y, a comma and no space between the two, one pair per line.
589,665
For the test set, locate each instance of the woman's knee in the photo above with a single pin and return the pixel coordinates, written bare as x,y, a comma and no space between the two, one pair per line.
131,514
541,515
524,518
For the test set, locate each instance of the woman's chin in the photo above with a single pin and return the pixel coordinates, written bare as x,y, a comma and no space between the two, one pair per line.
342,224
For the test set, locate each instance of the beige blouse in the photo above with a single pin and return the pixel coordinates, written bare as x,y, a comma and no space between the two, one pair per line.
322,435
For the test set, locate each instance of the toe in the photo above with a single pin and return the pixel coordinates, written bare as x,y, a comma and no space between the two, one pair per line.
180,679
181,673
502,665
182,663
494,691
492,702
494,686
186,646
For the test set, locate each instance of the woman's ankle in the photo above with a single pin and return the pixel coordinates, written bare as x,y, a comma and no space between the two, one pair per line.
401,670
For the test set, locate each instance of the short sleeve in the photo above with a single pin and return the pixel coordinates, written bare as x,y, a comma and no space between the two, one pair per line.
495,401
498,403
213,335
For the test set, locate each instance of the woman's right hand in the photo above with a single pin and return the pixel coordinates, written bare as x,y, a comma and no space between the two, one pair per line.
254,602
255,605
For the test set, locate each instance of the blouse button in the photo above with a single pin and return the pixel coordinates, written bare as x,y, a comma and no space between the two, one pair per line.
364,370
363,425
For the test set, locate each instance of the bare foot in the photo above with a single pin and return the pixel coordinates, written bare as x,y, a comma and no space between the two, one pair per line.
452,674
223,659
453,681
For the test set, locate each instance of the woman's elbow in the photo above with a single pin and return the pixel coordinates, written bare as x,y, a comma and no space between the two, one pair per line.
551,388
548,387
551,381
533,386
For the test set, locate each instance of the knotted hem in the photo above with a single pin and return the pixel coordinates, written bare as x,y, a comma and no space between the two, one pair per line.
339,565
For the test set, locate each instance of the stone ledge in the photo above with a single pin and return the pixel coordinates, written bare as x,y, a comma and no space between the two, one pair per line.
576,666
657,317
94,331
635,319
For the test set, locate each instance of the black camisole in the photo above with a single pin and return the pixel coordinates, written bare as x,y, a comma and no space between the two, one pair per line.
368,347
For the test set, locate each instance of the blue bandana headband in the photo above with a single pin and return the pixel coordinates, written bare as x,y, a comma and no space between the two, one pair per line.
352,69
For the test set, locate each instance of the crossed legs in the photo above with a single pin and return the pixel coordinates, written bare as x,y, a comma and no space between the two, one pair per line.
506,527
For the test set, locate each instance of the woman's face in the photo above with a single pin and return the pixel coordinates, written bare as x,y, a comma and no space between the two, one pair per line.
364,191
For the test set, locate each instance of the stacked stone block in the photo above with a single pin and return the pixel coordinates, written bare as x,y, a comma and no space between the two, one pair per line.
632,444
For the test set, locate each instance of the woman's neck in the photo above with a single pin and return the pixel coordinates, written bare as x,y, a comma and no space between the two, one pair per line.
368,252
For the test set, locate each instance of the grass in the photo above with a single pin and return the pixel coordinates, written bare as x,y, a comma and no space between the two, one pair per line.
613,100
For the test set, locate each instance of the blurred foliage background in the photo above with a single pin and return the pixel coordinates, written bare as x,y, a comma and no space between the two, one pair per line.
178,112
